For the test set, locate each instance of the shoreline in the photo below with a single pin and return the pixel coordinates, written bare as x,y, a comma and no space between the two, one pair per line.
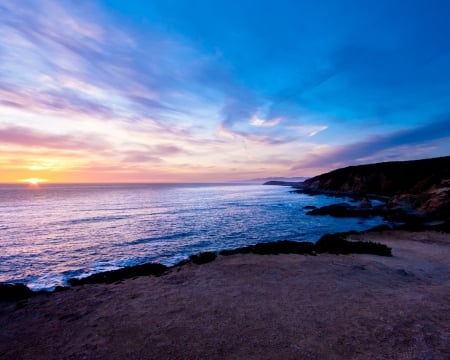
334,243
288,306
16,291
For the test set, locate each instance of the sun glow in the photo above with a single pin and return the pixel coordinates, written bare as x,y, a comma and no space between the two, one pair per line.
34,181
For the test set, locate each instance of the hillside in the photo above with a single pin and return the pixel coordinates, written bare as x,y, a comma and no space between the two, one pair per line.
387,179
412,191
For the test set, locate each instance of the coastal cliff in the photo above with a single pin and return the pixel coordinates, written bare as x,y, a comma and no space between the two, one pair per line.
386,179
411,190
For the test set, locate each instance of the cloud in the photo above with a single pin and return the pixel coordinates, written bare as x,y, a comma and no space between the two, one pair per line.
151,154
256,121
68,103
68,62
436,131
18,135
55,57
140,157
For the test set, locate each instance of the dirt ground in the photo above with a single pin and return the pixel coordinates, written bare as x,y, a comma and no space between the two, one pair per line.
253,307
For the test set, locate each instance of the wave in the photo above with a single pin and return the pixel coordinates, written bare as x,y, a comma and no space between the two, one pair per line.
160,238
95,219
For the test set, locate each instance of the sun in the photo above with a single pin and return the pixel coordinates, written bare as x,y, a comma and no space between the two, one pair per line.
34,181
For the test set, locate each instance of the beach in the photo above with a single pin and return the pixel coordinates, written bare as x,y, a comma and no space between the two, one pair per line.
254,307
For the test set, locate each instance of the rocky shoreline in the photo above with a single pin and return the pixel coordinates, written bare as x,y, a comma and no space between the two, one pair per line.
330,243
411,194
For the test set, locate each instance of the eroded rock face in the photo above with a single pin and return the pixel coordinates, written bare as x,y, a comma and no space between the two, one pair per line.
413,190
435,202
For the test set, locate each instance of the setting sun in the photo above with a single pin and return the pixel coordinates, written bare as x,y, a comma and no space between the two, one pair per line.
34,181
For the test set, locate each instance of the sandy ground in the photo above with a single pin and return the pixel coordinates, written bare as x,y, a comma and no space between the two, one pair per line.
253,307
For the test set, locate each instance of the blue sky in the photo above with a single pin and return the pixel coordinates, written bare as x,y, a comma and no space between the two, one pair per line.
208,91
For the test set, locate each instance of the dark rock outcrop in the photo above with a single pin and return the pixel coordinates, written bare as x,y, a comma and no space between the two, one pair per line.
330,243
283,247
120,274
346,210
336,244
14,292
309,207
203,257
274,248
365,203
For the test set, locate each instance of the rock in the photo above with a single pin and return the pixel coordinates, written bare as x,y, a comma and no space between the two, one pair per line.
365,203
203,257
337,244
60,289
338,210
120,274
14,292
330,243
274,248
283,247
309,207
345,210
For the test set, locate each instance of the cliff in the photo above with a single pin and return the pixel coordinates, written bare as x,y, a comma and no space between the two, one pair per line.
419,188
386,179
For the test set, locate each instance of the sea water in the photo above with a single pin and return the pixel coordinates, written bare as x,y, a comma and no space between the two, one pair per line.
50,233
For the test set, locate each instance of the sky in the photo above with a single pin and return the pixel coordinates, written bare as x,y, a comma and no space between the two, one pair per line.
206,91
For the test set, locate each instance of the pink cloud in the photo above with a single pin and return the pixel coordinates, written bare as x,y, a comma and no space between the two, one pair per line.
23,136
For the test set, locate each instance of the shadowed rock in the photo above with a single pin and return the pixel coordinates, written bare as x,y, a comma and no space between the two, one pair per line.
120,274
336,244
14,292
203,257
274,248
242,250
330,243
365,203
347,210
283,247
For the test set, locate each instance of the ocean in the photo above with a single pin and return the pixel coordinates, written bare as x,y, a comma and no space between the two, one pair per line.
54,232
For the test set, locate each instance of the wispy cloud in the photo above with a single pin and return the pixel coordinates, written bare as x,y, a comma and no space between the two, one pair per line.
30,138
59,59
